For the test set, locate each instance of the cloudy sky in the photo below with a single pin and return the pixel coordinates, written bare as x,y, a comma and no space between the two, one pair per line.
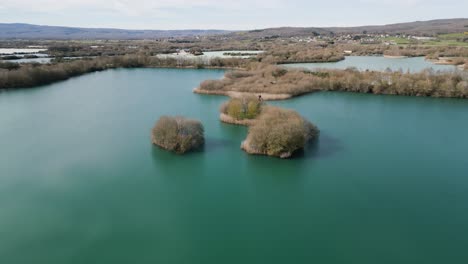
220,14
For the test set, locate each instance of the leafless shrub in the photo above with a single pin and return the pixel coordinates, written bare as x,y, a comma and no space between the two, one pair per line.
178,134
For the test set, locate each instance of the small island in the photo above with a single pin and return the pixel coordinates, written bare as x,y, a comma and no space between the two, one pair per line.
273,131
178,134
279,132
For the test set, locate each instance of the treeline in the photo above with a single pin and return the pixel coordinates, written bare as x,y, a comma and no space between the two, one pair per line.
30,75
408,50
429,52
301,53
269,79
76,48
312,52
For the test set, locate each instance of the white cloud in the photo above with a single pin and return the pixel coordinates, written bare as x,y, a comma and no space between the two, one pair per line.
134,7
226,14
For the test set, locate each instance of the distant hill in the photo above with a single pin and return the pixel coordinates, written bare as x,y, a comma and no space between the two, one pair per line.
28,31
431,27
423,28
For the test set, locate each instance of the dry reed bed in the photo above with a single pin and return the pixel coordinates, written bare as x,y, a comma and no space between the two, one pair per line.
269,79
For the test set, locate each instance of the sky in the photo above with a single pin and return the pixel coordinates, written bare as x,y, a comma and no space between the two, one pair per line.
230,15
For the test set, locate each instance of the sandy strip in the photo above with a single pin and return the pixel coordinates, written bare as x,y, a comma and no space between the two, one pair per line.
265,96
230,120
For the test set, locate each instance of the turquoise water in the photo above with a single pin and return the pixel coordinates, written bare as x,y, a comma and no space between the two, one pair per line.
377,64
80,181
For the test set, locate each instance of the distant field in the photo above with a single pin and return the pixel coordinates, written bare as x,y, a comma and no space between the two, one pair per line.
453,39
452,36
399,41
446,43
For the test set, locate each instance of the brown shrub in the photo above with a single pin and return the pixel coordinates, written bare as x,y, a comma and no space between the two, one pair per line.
178,134
247,107
279,132
266,80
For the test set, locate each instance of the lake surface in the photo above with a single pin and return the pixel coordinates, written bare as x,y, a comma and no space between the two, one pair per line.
80,181
376,63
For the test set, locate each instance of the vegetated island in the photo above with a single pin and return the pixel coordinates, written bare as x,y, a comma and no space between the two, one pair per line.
178,134
273,131
241,111
276,83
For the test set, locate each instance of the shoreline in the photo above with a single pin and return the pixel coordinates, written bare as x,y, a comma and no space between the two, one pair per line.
395,57
245,146
235,94
230,120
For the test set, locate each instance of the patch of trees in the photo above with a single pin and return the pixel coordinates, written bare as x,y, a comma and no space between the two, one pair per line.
11,57
242,108
9,66
300,53
432,52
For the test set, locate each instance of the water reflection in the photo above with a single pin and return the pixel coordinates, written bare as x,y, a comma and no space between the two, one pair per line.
325,147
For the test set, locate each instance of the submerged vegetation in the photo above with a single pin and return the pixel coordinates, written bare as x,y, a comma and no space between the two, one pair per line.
178,134
263,78
279,132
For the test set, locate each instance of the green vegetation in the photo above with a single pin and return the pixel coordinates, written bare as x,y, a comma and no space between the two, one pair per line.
178,134
11,57
242,108
9,66
279,132
399,40
261,78
452,39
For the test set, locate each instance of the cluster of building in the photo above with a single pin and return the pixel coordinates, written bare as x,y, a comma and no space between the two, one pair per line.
359,39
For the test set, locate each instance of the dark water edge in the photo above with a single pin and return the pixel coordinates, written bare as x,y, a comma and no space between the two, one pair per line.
80,181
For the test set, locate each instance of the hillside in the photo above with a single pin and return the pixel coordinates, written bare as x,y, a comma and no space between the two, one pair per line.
28,31
420,28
